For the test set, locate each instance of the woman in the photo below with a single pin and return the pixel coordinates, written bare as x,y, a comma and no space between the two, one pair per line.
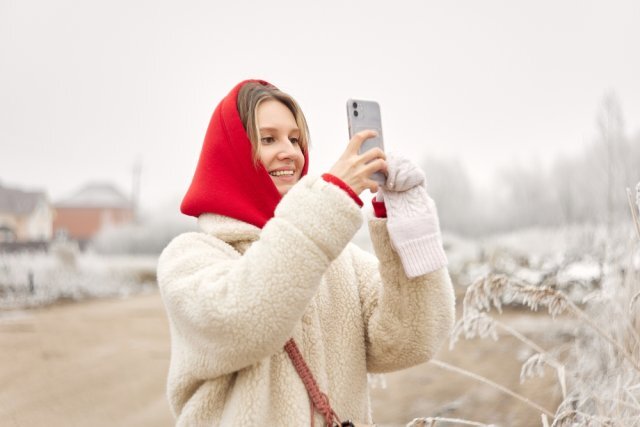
271,285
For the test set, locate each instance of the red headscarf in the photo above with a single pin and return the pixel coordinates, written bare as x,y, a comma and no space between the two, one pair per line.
226,180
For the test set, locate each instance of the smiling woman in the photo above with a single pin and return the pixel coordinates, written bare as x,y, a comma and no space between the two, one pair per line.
261,298
250,98
280,147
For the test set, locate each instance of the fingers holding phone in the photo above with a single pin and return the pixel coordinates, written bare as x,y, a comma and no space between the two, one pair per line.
358,139
363,164
365,116
356,169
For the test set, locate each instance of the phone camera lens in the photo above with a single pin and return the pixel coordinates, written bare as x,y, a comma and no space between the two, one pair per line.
355,113
355,105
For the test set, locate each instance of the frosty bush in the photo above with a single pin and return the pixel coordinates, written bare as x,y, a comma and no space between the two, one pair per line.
144,237
600,376
36,279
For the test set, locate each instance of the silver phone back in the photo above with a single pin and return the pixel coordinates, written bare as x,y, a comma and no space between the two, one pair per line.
363,115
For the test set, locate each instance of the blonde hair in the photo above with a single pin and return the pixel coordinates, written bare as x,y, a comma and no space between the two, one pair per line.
250,97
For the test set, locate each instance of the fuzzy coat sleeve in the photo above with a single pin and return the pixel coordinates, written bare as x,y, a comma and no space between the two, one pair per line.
236,310
406,320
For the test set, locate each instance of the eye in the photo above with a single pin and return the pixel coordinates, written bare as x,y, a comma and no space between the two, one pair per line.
294,140
267,140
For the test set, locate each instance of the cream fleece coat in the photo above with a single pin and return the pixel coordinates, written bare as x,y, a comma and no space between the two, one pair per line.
235,294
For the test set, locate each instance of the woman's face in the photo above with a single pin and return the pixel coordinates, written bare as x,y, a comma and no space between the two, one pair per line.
279,150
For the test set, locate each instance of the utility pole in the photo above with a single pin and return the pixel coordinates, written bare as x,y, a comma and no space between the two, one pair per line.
611,127
135,191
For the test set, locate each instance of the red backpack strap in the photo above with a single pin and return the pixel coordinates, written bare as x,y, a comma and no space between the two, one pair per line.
319,400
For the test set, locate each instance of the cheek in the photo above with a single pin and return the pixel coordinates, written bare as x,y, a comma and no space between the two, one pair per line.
265,155
300,160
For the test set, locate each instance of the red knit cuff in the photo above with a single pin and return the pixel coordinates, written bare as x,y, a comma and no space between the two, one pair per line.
340,183
379,208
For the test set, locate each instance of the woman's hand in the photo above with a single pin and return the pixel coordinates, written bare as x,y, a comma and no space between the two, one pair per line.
412,218
356,169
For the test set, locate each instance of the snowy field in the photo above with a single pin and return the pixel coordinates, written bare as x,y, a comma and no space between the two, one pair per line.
575,260
37,279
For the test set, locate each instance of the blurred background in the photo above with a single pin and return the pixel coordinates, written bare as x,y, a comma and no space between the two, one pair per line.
525,117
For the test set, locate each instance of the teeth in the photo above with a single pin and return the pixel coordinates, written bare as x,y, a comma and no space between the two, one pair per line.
281,173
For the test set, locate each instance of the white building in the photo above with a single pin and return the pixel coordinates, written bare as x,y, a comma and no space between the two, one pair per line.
25,216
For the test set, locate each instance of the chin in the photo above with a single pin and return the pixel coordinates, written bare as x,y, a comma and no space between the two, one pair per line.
284,191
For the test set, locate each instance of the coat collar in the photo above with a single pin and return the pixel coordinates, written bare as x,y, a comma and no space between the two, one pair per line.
228,229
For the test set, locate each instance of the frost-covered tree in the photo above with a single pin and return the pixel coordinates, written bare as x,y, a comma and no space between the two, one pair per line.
528,199
587,188
449,185
613,146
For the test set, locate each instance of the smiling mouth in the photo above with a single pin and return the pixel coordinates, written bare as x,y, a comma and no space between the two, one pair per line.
281,173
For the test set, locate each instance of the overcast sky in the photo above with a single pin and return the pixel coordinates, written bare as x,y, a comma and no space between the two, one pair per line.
86,87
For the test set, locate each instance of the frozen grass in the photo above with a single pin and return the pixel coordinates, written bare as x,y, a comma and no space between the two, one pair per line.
599,376
64,274
432,421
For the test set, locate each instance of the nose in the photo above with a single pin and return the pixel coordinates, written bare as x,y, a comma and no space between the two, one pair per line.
288,151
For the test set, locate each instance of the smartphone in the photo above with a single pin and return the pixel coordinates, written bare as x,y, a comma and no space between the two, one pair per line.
363,115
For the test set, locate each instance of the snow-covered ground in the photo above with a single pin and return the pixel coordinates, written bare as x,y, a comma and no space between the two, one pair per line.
37,279
573,259
576,259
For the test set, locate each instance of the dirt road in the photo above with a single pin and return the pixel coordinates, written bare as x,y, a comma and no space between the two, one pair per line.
104,363
97,363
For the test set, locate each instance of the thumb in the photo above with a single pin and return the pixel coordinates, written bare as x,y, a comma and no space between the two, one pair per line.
359,138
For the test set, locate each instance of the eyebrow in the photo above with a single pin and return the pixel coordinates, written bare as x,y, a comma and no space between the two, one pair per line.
268,128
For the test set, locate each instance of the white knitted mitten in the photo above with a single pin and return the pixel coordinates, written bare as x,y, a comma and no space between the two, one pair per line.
412,218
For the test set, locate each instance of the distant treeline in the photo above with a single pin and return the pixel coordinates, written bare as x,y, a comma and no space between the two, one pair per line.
34,246
588,188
